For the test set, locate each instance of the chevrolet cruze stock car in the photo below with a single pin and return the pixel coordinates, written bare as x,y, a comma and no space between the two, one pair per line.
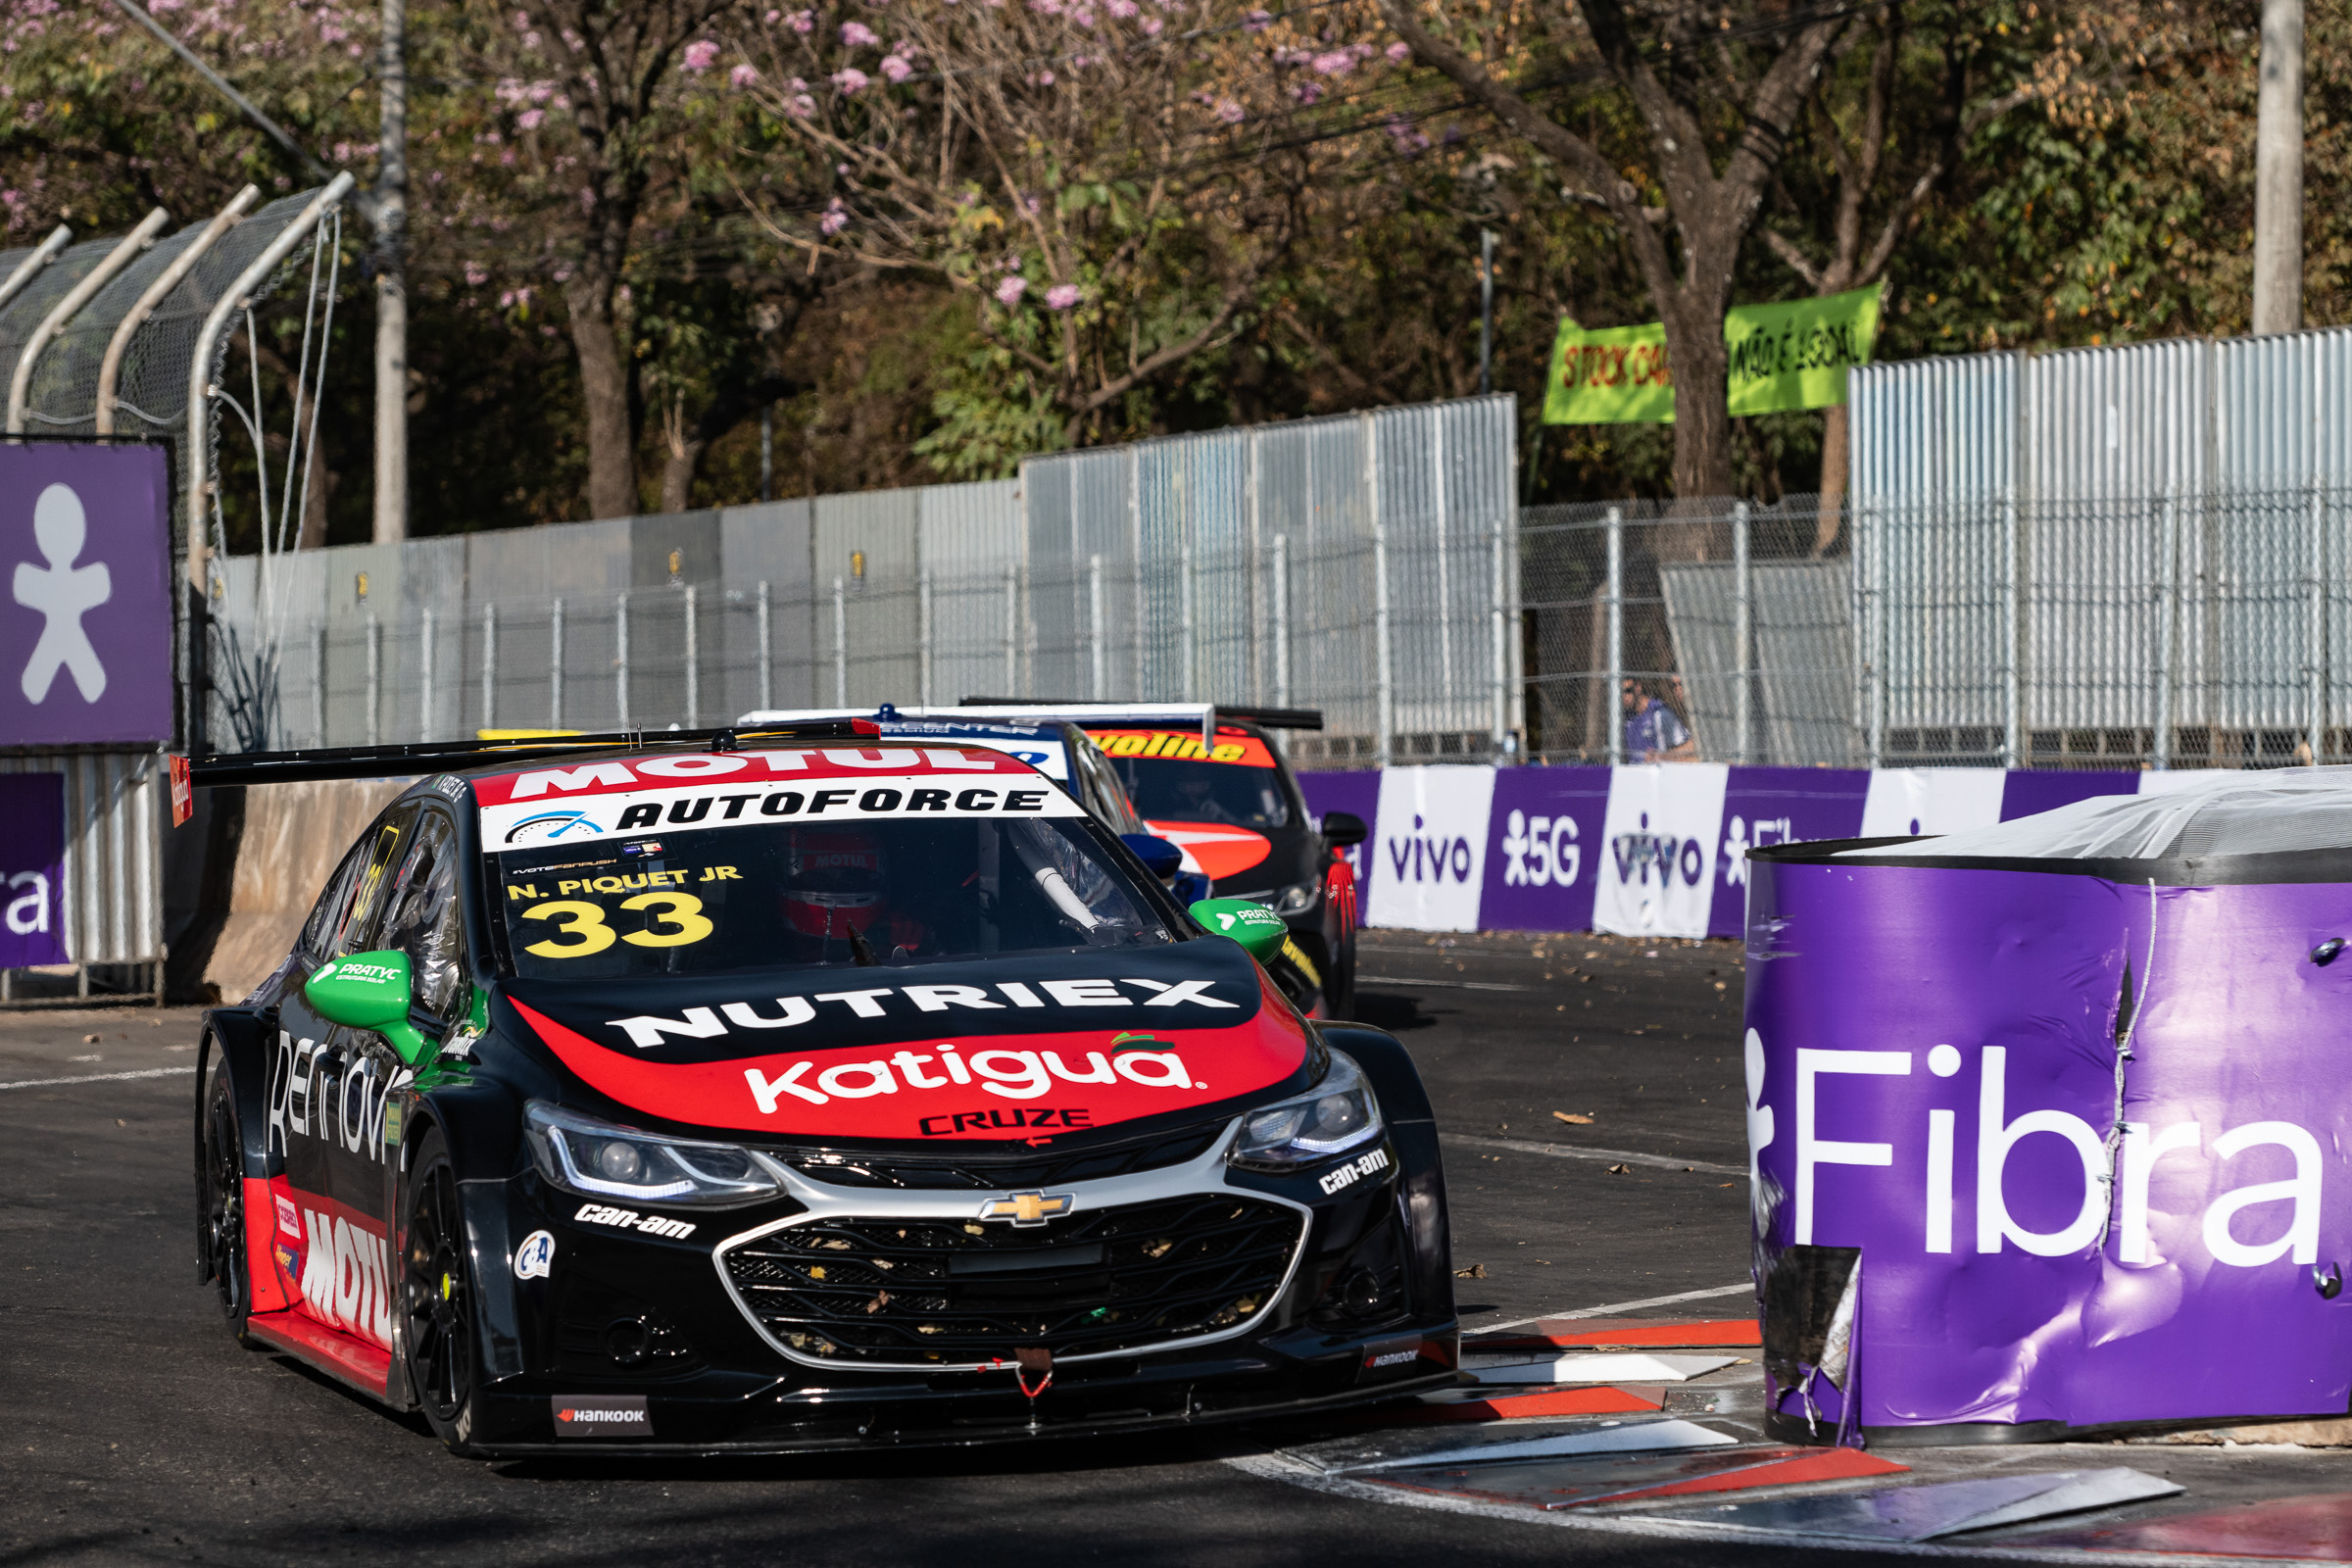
801,1089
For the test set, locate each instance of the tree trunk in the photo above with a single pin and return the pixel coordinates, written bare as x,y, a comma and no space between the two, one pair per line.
1702,437
1837,437
605,389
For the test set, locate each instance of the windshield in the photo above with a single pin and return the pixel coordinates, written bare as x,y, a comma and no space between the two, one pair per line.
867,891
1171,781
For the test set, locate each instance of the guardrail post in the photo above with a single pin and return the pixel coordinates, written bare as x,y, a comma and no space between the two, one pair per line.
2315,635
1013,631
1094,625
922,636
1743,635
376,680
490,666
620,662
1612,708
2168,611
694,660
765,651
424,668
555,665
1282,621
841,646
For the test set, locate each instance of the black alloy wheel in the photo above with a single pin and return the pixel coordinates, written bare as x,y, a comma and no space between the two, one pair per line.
221,1200
437,1297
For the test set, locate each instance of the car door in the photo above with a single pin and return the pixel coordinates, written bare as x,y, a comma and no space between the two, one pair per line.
330,1112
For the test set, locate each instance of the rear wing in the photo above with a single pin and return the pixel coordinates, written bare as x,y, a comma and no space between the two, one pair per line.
1204,715
457,757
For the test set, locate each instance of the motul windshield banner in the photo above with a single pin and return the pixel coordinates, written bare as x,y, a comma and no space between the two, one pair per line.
2092,1141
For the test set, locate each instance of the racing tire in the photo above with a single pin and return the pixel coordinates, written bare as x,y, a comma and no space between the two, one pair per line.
437,1297
221,1203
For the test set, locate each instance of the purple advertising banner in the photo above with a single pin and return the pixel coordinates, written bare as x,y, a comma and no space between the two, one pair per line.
1544,849
32,870
2056,1225
85,648
1767,805
1358,791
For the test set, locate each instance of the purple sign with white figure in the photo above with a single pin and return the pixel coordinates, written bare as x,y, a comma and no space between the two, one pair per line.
2078,1141
85,648
1767,805
32,870
1544,849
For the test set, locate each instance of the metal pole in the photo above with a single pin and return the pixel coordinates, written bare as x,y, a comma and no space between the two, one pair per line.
1500,675
391,217
1186,650
841,642
555,665
2315,635
1878,646
1486,311
766,650
30,266
767,452
376,680
1743,635
2279,170
694,661
424,672
1094,623
2013,697
20,385
922,636
1383,740
1282,621
1611,705
110,368
319,685
620,662
490,666
2168,611
1013,631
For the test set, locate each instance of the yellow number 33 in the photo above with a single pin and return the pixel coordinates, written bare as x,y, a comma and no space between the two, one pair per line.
584,924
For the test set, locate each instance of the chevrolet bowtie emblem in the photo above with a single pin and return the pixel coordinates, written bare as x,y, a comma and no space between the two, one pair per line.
1028,1209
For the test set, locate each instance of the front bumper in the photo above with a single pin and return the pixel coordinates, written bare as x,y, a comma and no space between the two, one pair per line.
1363,1312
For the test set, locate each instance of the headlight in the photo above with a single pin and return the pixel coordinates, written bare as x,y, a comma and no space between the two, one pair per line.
1298,899
582,1155
1337,1114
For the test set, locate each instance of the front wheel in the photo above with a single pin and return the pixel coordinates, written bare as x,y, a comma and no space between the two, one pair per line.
220,1202
438,1303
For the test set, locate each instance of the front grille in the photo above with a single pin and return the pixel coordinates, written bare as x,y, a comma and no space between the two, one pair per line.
959,1292
967,1174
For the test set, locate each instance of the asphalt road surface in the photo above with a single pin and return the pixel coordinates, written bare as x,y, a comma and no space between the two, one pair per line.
133,1429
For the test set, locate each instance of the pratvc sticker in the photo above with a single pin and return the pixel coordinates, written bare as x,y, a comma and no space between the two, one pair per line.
1355,1170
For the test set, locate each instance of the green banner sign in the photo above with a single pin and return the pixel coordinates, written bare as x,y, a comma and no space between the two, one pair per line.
1795,355
1789,355
1616,376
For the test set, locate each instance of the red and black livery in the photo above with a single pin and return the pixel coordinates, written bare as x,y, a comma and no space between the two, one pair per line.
801,1090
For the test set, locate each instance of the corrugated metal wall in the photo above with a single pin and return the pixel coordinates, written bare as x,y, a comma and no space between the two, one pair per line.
2078,549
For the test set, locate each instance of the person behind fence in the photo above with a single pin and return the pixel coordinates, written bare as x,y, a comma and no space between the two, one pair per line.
1653,732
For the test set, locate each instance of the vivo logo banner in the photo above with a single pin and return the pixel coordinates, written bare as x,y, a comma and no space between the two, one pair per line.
2092,1140
1645,850
1429,847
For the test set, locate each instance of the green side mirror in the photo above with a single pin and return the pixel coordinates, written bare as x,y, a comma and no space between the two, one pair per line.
368,991
1258,929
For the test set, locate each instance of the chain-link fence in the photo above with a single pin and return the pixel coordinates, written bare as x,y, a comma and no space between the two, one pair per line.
1719,614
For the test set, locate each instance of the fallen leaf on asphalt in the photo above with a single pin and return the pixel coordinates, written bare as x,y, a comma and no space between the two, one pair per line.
1475,1271
1621,1170
1573,1119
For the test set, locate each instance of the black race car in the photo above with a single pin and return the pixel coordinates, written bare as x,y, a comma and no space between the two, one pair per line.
802,1090
1208,779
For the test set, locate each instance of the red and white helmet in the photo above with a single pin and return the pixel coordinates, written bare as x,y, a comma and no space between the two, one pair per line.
832,881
